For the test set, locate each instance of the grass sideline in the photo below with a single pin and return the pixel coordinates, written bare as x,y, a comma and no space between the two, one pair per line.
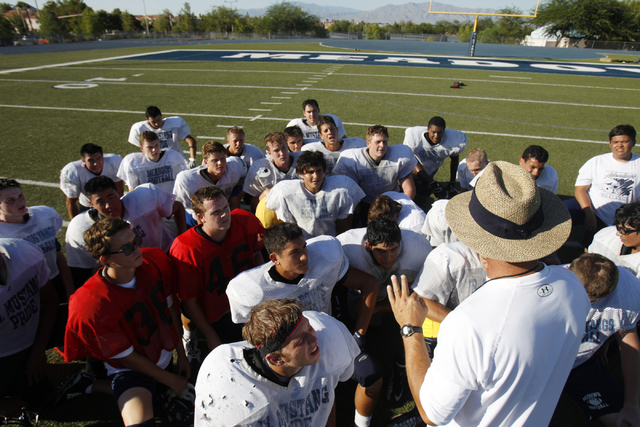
496,109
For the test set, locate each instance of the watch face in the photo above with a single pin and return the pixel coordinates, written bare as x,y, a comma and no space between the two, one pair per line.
407,331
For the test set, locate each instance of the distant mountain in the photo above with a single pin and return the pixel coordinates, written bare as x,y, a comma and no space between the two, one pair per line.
415,12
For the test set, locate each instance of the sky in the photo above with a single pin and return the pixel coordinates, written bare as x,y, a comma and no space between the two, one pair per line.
203,6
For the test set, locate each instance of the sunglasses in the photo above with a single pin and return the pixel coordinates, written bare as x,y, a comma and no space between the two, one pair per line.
625,231
129,248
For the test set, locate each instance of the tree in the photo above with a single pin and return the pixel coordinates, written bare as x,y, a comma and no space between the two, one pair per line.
129,22
5,7
509,26
340,26
91,22
186,20
115,20
24,6
163,23
375,32
6,31
221,18
287,18
49,22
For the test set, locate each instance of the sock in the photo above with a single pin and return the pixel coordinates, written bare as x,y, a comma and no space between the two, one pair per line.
188,335
361,420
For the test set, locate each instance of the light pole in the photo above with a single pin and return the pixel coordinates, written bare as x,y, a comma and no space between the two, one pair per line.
146,19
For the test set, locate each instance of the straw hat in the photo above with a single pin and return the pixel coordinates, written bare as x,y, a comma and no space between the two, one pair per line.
507,217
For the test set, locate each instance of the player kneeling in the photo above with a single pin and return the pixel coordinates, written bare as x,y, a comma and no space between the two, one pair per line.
285,374
124,315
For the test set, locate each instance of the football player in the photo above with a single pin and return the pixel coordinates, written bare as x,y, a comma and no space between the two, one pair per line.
309,123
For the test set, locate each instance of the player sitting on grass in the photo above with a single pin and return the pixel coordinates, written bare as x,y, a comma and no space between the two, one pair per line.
152,165
125,316
615,309
534,160
431,145
75,175
28,306
379,167
309,123
170,131
293,136
319,204
605,183
621,242
265,173
285,373
331,146
217,170
207,257
309,273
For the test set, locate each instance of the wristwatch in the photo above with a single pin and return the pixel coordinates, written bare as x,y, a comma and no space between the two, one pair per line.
407,330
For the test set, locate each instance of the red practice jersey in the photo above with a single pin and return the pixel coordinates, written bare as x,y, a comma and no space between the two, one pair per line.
205,267
106,319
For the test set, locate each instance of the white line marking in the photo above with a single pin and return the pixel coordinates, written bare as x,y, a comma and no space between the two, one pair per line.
230,126
256,118
40,183
280,97
258,109
211,137
511,77
309,81
289,93
17,70
298,84
137,75
197,152
271,103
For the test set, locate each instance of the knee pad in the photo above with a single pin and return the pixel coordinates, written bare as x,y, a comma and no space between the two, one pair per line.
366,370
151,422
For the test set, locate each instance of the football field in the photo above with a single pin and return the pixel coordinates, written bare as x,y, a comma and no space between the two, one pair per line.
52,104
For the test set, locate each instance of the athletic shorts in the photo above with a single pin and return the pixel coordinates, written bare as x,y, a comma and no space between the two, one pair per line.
594,389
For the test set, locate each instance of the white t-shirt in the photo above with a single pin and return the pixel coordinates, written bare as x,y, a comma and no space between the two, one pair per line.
316,214
450,274
41,229
27,272
504,354
250,153
191,180
173,130
230,393
144,208
327,265
620,310
548,179
374,180
264,174
414,249
331,157
435,226
431,157
136,169
310,133
74,176
607,243
613,183
411,217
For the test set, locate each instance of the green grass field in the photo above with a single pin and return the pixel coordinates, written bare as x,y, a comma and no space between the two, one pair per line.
502,112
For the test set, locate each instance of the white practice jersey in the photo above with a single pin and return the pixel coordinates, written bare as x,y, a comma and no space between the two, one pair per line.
414,249
191,180
620,310
435,227
27,272
465,177
173,130
263,175
504,354
613,183
607,243
74,176
137,169
450,274
374,180
316,214
41,229
431,157
327,265
411,217
548,179
144,208
331,157
250,153
311,134
229,392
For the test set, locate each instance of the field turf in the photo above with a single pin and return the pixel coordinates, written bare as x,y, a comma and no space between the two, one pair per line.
502,112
